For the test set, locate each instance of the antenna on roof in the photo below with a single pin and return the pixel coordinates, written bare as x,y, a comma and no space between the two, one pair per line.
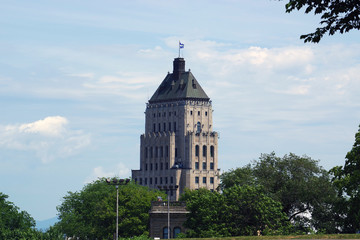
181,45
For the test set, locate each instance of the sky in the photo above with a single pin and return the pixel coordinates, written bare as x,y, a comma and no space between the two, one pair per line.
75,77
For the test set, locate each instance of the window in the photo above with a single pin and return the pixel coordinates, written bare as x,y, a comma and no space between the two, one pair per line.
204,179
145,181
164,127
198,127
211,180
171,180
156,152
165,233
167,151
155,180
204,166
161,166
151,166
175,113
174,126
141,181
170,126
150,181
212,151
169,114
151,152
161,152
159,114
196,165
198,113
146,152
190,112
166,180
154,130
154,115
204,151
212,166
146,167
156,166
197,150
196,179
205,113
159,127
176,231
162,180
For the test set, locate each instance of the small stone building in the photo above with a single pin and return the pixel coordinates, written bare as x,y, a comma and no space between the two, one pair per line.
163,215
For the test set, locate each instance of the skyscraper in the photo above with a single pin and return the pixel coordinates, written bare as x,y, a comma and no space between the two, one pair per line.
179,146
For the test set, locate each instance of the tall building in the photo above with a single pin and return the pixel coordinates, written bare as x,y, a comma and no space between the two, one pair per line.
179,146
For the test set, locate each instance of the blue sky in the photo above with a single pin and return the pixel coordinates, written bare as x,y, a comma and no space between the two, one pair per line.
75,77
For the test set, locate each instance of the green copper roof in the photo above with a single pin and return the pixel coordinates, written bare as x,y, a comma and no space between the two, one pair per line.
179,85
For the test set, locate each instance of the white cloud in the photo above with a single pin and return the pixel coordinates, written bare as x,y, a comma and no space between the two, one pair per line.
120,170
51,126
49,138
82,75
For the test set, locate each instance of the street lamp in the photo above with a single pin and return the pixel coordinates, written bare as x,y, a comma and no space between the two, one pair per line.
117,182
168,189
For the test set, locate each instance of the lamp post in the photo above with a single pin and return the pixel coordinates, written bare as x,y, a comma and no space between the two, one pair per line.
168,189
117,182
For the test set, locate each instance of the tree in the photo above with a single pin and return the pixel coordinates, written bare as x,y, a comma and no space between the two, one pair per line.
249,210
347,181
91,213
240,210
298,183
206,213
14,224
336,16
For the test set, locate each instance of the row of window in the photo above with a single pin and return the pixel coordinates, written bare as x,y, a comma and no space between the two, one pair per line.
164,114
204,166
204,180
176,231
171,127
162,166
162,180
204,151
164,151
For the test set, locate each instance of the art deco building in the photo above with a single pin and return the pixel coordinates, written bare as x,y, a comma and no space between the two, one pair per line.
179,146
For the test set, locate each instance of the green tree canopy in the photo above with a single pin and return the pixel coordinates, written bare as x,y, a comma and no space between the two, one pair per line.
336,16
298,183
347,181
240,210
91,212
14,224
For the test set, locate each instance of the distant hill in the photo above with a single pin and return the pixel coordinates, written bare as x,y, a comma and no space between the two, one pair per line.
45,224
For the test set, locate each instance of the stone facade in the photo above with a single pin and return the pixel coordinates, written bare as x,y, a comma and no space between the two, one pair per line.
179,146
160,214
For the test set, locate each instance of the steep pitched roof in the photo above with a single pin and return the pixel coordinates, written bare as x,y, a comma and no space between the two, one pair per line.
179,85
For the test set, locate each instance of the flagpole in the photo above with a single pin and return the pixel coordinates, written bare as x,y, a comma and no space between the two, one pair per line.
179,49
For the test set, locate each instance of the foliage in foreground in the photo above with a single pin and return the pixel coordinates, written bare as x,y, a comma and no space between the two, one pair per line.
240,210
336,16
91,212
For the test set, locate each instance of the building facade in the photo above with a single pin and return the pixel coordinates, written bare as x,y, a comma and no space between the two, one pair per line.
179,146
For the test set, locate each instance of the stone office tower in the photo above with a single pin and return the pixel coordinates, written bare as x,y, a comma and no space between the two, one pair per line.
179,146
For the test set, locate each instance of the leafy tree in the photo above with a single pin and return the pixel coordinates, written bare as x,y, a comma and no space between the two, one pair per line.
240,210
298,183
206,213
14,224
91,213
249,210
347,181
336,16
